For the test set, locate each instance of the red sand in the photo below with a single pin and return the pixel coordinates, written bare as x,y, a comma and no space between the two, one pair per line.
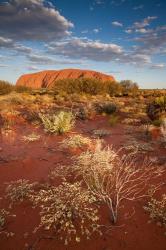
33,161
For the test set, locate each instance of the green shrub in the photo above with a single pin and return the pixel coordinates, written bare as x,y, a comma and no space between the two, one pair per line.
107,108
5,87
58,123
157,108
80,85
157,123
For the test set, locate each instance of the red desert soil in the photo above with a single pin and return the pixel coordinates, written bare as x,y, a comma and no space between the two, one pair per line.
34,160
47,78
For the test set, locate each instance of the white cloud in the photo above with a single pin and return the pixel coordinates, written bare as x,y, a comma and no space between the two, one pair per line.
96,30
33,20
40,59
14,46
143,31
32,68
118,24
84,31
85,49
128,31
4,65
158,66
45,60
139,7
144,23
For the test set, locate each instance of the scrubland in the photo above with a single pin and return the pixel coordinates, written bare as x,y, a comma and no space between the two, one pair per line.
82,169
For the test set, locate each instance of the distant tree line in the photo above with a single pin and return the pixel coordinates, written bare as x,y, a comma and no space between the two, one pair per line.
84,86
94,87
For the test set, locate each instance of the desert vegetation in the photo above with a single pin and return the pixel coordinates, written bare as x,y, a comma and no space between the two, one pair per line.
84,161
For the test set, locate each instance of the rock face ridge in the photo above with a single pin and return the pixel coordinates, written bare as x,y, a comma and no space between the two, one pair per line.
47,78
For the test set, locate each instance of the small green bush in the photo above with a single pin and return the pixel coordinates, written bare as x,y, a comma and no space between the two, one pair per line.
157,108
157,122
107,108
58,123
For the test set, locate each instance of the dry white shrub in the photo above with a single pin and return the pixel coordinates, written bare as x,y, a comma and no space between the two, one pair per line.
68,209
101,158
113,179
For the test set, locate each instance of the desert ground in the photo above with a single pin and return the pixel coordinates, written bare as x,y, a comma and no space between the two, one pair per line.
33,160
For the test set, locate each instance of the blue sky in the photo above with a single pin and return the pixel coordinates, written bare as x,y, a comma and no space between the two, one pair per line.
124,38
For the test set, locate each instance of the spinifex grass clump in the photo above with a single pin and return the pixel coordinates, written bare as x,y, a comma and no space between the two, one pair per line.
69,210
58,123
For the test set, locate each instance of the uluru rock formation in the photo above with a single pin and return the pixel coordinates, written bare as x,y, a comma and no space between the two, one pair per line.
47,78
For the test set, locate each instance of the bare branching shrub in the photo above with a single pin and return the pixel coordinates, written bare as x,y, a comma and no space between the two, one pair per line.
60,123
75,141
69,210
18,191
157,209
113,179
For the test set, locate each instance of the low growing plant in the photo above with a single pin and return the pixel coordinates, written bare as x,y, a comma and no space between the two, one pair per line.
69,210
107,108
4,214
157,209
31,137
20,190
60,123
75,141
